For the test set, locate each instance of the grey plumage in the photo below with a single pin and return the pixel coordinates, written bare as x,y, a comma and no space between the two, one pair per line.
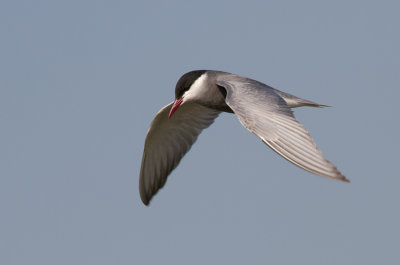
167,141
200,96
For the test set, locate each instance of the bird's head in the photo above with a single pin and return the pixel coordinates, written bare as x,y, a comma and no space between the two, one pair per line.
186,89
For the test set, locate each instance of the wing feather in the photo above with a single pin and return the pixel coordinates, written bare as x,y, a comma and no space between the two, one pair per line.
265,113
167,141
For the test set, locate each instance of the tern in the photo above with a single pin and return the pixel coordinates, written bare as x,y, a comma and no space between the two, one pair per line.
200,96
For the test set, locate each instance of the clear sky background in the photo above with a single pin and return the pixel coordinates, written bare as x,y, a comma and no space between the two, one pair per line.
80,82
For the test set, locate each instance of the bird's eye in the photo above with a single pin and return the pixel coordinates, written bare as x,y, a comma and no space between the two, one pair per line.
222,90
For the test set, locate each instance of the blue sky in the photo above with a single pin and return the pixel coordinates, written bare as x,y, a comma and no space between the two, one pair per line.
82,80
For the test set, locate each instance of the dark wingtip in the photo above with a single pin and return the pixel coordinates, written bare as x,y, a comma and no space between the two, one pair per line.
344,179
145,201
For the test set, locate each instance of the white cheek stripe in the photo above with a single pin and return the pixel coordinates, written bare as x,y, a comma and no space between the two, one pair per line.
196,90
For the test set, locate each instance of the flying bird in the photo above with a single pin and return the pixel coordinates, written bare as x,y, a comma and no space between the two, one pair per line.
200,96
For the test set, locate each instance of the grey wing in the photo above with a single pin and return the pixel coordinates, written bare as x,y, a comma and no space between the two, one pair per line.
265,113
167,141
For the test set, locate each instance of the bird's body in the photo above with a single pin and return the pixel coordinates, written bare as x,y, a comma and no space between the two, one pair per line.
199,98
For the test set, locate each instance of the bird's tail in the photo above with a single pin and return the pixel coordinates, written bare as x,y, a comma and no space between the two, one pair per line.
294,102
